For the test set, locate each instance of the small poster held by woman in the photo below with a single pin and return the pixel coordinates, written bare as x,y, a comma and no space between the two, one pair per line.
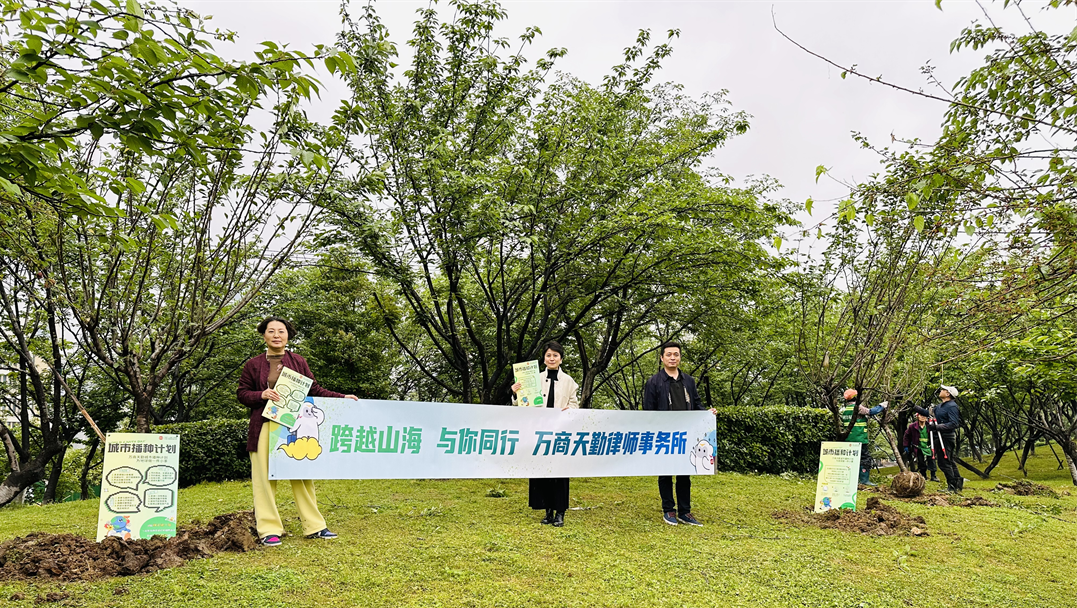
527,374
292,388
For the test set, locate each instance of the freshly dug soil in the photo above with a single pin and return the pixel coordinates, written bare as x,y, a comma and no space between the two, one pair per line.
907,485
1024,487
66,557
877,519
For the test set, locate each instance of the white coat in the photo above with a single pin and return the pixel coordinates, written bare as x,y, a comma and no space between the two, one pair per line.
564,394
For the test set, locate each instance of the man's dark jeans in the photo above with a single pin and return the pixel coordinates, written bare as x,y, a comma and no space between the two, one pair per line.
684,494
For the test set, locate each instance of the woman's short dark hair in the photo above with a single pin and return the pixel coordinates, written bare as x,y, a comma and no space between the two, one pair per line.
667,345
555,347
287,325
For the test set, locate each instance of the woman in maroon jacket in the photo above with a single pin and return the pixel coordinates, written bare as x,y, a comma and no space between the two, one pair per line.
255,389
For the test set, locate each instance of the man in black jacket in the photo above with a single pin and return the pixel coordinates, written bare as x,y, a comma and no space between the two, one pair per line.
942,428
673,390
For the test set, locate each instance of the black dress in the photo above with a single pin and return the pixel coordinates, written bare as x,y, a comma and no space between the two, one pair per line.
549,492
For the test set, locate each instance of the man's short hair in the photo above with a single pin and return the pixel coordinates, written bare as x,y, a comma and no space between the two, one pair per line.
669,344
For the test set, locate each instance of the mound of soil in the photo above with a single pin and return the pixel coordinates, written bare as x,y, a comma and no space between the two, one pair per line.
907,485
877,519
1024,487
66,557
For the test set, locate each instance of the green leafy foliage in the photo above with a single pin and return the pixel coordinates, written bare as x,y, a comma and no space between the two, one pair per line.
520,206
771,439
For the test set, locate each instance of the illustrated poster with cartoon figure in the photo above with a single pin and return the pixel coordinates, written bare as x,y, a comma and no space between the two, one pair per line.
292,388
839,467
375,439
139,481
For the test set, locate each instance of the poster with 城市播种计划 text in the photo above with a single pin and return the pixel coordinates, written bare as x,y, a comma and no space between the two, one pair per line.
530,393
839,472
292,388
139,482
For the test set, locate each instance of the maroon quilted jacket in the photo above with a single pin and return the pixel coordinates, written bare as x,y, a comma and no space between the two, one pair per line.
255,379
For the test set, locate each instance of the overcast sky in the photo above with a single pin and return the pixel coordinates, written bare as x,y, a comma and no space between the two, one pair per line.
803,112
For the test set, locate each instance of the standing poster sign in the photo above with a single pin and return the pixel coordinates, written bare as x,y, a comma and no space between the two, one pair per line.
292,388
527,374
839,468
139,481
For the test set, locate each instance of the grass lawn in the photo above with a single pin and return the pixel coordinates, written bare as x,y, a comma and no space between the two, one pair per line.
445,543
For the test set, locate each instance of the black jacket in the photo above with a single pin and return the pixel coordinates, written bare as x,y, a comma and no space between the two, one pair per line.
656,392
947,416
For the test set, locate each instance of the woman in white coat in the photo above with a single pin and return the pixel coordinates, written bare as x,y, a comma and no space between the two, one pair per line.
558,390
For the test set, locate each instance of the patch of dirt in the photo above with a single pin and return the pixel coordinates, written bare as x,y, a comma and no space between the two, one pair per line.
66,557
51,597
952,500
1024,487
877,519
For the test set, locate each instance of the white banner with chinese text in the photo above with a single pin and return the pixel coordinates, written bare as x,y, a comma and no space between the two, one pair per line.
371,439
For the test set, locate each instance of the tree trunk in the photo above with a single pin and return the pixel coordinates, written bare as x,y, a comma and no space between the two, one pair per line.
1029,448
1070,452
54,476
891,438
17,481
968,466
84,479
997,458
12,458
143,405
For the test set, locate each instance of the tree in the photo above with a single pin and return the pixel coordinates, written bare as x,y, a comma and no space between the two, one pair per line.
519,209
138,194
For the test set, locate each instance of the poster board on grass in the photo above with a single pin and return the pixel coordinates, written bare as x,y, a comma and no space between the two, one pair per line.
839,471
139,483
292,388
527,374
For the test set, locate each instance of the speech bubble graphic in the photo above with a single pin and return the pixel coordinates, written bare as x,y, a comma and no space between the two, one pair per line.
127,478
160,475
123,502
158,498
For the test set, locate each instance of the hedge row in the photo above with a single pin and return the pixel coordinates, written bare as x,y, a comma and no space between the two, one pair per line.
771,439
210,450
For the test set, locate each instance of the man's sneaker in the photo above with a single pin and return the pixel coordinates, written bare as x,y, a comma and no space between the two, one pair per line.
326,534
690,519
670,518
271,541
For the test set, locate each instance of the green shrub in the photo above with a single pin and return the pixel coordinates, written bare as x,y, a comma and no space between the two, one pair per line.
210,450
771,439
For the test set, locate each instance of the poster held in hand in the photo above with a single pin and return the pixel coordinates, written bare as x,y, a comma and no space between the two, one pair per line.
839,470
527,374
139,480
292,388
